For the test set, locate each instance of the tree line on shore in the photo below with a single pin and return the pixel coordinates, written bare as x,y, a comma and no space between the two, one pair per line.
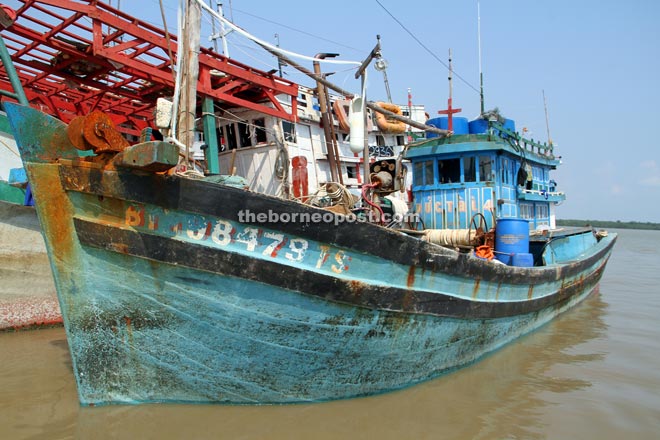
618,224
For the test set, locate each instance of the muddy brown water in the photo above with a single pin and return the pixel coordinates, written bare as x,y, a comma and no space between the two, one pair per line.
592,373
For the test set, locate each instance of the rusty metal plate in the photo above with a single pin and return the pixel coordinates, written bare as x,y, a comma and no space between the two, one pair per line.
75,133
100,132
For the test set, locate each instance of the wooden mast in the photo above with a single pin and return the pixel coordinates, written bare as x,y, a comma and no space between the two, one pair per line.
189,75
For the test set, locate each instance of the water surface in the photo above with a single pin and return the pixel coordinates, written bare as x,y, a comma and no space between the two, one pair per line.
592,373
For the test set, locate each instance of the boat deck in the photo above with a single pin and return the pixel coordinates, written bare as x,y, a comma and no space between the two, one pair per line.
547,235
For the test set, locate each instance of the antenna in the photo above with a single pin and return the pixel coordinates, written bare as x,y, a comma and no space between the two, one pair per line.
481,73
223,34
215,41
547,124
279,60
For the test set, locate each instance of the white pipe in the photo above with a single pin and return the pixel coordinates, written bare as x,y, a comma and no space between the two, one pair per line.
268,45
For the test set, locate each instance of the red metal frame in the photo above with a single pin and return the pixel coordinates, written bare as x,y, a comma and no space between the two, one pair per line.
74,57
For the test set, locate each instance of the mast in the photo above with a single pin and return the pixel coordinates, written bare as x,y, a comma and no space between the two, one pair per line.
410,115
189,75
326,118
208,117
381,66
223,33
215,42
450,110
481,73
547,124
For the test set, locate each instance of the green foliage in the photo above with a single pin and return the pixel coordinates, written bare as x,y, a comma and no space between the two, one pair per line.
610,224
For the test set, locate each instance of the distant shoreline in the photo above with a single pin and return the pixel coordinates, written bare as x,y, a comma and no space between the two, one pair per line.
610,224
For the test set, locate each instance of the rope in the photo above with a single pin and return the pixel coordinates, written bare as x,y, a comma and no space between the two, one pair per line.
449,237
167,39
340,196
191,174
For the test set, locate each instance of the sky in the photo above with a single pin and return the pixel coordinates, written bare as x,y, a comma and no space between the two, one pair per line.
597,62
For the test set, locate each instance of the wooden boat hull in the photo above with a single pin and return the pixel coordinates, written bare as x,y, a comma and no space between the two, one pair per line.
169,294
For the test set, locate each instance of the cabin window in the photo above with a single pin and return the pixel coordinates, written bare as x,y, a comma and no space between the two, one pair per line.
469,169
527,211
449,171
423,173
428,173
302,100
541,211
289,131
400,140
380,140
418,172
504,171
260,130
230,136
222,145
512,172
244,135
304,136
485,169
351,171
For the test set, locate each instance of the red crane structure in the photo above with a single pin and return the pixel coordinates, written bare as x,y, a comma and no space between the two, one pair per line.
77,56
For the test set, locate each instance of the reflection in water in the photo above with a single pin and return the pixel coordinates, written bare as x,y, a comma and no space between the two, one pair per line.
502,396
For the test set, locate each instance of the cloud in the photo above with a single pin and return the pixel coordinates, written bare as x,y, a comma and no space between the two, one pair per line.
649,164
651,181
605,169
651,172
616,190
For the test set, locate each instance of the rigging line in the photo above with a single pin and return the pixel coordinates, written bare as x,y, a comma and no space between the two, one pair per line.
426,48
298,30
248,52
167,39
268,45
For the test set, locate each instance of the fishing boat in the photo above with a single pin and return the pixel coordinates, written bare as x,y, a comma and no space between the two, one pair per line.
177,287
27,293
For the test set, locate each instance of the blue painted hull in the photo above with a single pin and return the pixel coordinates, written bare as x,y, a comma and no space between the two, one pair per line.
167,296
219,339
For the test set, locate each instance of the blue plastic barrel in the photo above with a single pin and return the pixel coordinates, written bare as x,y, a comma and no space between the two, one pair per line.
523,259
460,125
511,237
478,126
